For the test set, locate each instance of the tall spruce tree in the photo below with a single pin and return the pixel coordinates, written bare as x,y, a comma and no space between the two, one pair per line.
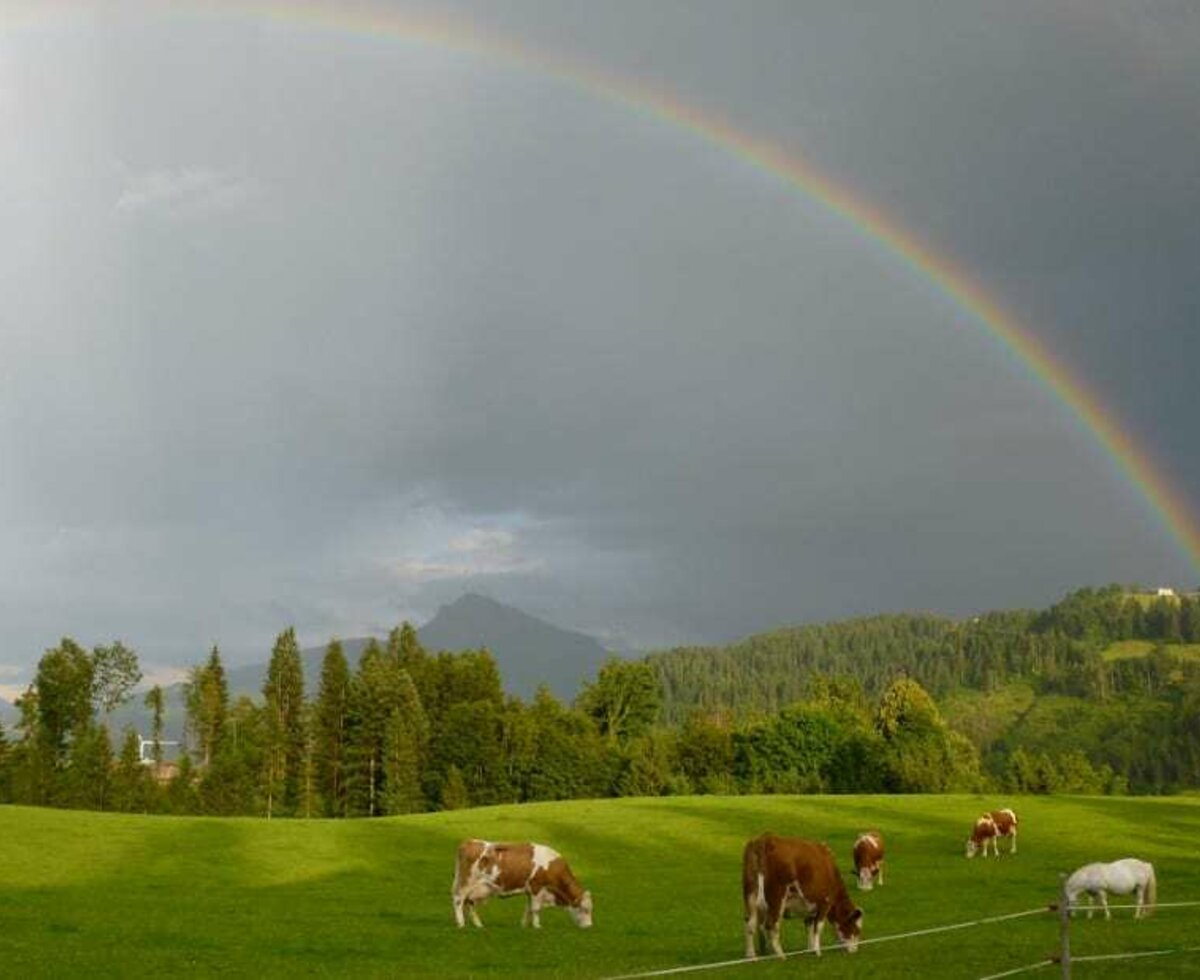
367,724
331,734
284,694
156,702
207,699
405,732
132,785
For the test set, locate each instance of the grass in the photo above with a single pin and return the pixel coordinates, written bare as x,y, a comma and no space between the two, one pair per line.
1136,649
107,895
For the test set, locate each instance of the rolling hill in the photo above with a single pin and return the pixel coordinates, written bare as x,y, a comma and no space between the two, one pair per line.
133,895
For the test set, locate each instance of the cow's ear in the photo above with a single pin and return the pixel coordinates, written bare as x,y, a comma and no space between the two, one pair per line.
856,916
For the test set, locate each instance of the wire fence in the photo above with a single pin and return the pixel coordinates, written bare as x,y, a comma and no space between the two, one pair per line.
1057,960
1065,959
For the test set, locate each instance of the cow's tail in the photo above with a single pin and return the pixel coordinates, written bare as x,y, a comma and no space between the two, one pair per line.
754,894
1149,896
753,888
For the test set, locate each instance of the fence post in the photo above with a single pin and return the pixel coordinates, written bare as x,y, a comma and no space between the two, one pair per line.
1064,927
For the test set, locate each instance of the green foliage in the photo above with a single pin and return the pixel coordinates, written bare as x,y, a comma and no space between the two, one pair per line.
283,692
115,672
64,684
624,700
332,720
1016,701
206,697
132,789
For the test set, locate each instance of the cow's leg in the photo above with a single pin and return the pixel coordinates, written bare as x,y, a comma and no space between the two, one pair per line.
750,915
1137,902
459,918
532,910
1014,842
475,920
814,933
776,899
879,870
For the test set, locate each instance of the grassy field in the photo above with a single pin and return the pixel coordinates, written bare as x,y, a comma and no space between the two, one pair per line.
106,895
1135,649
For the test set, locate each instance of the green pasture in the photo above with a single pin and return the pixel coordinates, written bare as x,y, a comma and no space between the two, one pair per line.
100,895
1136,649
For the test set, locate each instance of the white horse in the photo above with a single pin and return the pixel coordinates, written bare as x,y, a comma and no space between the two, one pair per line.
1120,878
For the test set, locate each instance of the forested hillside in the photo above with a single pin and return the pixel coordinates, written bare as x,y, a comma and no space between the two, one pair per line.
1108,674
1098,694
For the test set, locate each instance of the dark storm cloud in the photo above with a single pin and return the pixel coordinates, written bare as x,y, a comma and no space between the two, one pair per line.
349,325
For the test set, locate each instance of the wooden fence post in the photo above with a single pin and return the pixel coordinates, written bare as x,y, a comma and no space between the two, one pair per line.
1064,927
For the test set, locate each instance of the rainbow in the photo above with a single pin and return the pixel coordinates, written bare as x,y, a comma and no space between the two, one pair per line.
1166,502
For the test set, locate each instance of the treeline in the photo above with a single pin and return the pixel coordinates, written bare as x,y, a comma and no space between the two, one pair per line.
845,707
405,731
1059,650
1136,717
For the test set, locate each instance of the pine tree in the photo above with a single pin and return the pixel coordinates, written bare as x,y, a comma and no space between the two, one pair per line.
131,782
207,699
331,724
156,702
367,718
85,781
284,694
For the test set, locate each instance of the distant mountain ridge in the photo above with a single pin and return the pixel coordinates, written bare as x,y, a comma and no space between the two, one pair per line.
528,651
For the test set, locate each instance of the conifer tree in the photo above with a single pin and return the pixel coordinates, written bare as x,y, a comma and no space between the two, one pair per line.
367,724
284,694
85,782
331,730
6,757
156,702
131,782
207,699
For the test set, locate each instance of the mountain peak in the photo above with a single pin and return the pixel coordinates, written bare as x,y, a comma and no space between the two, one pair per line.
529,651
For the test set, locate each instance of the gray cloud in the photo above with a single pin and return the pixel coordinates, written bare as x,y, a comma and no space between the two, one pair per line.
304,327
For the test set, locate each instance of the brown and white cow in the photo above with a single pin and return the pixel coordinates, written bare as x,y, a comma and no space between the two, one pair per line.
868,859
983,834
484,869
989,828
788,874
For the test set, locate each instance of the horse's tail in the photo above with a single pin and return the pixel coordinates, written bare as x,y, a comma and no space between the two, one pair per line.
1149,895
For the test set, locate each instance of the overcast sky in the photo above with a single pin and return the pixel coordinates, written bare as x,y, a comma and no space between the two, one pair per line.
308,327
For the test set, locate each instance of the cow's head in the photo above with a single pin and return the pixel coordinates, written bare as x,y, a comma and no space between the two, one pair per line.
582,913
972,847
849,930
866,877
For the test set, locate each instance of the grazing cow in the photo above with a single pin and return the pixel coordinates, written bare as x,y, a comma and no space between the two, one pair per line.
483,870
982,834
1006,826
868,859
1003,823
786,874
